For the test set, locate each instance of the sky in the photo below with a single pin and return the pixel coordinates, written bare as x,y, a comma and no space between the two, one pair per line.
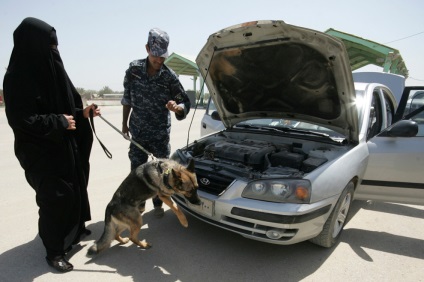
99,38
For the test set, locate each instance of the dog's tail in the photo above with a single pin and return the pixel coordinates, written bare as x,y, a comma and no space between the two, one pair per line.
107,236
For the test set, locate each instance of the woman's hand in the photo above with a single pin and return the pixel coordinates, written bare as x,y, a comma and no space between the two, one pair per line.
71,122
96,111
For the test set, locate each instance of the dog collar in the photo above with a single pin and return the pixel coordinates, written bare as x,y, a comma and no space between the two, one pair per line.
166,174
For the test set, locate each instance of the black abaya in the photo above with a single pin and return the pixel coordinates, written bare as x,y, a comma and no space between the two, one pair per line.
37,92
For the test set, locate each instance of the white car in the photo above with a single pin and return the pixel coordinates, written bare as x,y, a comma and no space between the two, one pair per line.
211,122
301,139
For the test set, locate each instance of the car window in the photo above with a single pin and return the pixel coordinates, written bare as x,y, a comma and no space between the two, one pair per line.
381,112
416,101
389,109
411,106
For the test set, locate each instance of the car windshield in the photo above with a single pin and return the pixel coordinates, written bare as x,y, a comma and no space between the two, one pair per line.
272,123
300,125
360,104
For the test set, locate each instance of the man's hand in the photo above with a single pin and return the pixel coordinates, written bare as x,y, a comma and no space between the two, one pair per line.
173,107
126,109
126,131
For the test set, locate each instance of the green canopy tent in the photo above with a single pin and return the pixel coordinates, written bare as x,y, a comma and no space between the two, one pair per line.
364,52
184,66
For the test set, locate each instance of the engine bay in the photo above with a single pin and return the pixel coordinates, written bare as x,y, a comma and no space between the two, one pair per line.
228,156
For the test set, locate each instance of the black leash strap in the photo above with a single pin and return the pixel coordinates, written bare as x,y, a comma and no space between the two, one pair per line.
150,155
108,154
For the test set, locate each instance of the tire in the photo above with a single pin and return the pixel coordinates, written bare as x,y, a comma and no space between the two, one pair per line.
333,227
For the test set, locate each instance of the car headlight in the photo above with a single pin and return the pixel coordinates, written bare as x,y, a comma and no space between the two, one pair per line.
281,190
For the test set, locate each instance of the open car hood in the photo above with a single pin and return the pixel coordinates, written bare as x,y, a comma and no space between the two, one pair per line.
270,69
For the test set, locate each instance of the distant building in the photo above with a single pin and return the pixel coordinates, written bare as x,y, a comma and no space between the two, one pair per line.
117,96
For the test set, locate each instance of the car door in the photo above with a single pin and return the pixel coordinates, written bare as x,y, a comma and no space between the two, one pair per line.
396,155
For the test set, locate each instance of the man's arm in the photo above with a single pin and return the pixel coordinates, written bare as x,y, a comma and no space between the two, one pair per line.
126,101
126,109
181,103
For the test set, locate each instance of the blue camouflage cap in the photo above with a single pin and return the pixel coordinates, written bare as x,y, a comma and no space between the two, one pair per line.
158,42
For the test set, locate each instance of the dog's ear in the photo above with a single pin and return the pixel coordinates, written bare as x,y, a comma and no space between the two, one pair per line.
190,166
176,175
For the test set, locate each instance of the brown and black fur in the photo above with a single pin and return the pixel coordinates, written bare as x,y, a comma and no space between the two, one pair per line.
162,177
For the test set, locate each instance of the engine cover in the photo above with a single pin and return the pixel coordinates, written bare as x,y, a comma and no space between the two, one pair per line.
248,152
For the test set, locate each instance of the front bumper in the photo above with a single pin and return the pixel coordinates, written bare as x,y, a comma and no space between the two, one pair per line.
275,223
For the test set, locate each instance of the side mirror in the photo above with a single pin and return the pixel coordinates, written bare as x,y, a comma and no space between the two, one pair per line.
403,128
215,115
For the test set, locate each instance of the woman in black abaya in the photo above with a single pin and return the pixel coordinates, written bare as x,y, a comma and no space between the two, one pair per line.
53,137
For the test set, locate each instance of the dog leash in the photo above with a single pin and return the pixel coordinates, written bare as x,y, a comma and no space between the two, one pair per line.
120,132
108,154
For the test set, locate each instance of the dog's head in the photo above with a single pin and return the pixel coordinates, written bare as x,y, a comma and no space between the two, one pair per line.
185,182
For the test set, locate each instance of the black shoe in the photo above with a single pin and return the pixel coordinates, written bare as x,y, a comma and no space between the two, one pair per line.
60,264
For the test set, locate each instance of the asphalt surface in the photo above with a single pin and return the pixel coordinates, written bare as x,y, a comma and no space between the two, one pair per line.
382,242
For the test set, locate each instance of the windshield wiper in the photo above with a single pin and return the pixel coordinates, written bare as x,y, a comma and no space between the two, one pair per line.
248,126
281,129
291,129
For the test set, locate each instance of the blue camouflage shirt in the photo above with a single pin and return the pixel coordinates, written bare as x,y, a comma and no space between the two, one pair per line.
150,120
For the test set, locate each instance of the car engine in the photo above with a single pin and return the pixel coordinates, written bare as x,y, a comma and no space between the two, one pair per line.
220,159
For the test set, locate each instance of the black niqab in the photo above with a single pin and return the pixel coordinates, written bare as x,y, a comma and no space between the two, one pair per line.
33,58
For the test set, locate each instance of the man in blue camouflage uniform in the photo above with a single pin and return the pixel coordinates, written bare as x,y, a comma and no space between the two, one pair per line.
152,90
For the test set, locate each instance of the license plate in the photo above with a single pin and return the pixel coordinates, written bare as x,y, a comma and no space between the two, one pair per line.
205,208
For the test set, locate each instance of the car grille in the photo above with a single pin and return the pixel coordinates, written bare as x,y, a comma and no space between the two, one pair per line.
255,230
212,183
246,228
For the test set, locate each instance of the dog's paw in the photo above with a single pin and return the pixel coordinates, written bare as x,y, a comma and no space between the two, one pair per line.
184,222
123,240
182,219
144,245
92,251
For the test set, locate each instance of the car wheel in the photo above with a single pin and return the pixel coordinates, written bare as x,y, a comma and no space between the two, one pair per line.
333,227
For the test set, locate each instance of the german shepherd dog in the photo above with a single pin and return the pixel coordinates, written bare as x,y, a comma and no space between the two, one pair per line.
162,177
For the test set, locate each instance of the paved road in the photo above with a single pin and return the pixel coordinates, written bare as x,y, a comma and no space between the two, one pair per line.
382,242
